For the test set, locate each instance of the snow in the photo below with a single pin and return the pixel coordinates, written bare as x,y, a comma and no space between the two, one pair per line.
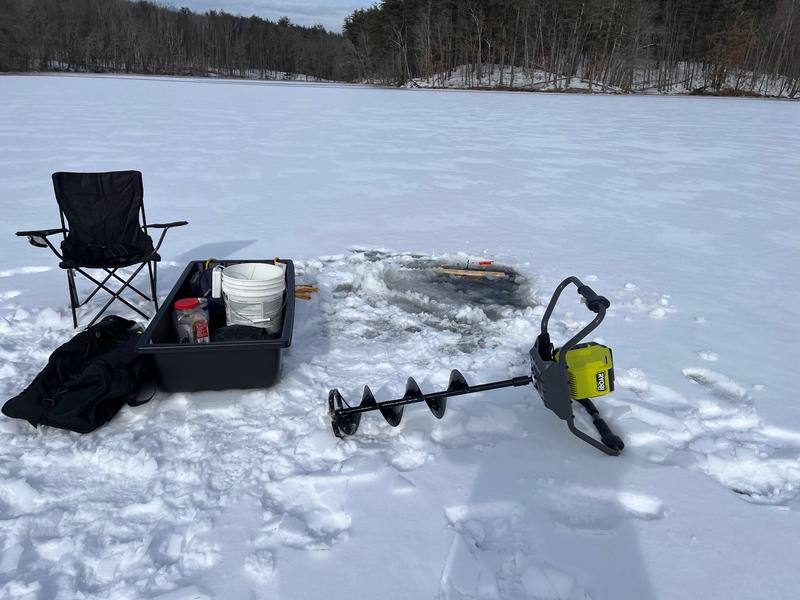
683,211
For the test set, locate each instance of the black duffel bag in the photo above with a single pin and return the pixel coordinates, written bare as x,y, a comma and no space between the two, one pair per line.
87,380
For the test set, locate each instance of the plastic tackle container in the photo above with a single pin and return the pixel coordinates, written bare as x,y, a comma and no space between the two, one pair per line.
190,316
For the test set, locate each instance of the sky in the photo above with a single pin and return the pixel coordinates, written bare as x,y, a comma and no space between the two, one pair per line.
330,13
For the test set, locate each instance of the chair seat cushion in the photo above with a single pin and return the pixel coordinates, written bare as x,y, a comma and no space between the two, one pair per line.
97,257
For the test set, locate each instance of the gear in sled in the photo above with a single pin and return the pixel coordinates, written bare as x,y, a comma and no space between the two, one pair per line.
575,372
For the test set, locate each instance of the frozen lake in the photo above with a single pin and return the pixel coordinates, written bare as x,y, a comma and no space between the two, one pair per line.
683,211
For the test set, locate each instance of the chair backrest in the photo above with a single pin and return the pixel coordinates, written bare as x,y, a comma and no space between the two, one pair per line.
102,208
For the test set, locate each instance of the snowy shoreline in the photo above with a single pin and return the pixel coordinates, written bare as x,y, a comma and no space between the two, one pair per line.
416,84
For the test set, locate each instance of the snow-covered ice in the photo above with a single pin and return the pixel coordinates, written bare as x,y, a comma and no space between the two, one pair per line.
683,211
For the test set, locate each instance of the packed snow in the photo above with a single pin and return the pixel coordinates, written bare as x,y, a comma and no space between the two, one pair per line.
682,211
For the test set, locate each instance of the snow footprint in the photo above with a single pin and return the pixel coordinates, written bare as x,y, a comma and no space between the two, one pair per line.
260,565
718,432
304,513
631,299
490,558
596,510
716,383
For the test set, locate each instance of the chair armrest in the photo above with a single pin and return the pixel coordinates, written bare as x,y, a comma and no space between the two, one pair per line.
39,239
40,232
166,225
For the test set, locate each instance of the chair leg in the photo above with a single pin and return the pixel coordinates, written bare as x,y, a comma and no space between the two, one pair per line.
126,284
73,297
117,294
113,273
152,267
102,310
100,286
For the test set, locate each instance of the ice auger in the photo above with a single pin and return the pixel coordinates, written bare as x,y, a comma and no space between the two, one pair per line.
575,372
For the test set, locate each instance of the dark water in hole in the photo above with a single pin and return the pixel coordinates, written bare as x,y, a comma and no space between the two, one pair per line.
417,285
427,278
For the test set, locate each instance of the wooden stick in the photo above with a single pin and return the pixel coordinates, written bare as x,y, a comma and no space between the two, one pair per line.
474,273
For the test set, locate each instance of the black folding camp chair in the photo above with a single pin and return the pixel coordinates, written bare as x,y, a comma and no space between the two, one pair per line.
104,227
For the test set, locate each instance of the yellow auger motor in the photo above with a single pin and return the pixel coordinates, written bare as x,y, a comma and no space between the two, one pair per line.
590,370
575,372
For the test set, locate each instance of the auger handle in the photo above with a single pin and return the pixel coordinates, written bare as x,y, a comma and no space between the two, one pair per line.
594,302
610,450
608,437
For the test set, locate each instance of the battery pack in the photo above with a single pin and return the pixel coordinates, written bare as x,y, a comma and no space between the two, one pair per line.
590,370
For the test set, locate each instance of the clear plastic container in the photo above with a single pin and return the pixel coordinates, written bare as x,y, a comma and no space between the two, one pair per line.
191,321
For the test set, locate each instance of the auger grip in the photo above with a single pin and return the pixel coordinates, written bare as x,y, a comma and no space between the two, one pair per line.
593,300
608,437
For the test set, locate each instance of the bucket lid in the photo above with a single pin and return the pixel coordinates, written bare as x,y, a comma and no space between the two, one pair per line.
187,303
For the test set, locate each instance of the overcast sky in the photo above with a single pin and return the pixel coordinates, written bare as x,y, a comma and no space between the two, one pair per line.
330,13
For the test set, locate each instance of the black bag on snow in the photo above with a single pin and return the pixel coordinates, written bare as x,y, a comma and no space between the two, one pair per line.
87,380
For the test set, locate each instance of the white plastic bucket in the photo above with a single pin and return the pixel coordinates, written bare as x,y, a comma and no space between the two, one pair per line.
253,294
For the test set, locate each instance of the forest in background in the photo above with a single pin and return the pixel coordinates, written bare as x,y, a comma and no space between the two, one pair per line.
705,46
627,45
145,37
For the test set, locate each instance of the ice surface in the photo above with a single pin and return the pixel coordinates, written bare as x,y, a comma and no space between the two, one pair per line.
683,211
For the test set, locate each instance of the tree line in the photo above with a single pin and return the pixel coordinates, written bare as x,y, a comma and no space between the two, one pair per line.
144,37
715,46
629,45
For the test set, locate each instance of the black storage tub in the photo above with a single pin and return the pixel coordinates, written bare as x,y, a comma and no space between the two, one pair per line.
216,365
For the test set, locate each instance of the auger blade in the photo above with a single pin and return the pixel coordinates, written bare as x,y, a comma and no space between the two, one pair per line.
414,393
412,389
457,382
367,399
393,414
342,425
437,406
